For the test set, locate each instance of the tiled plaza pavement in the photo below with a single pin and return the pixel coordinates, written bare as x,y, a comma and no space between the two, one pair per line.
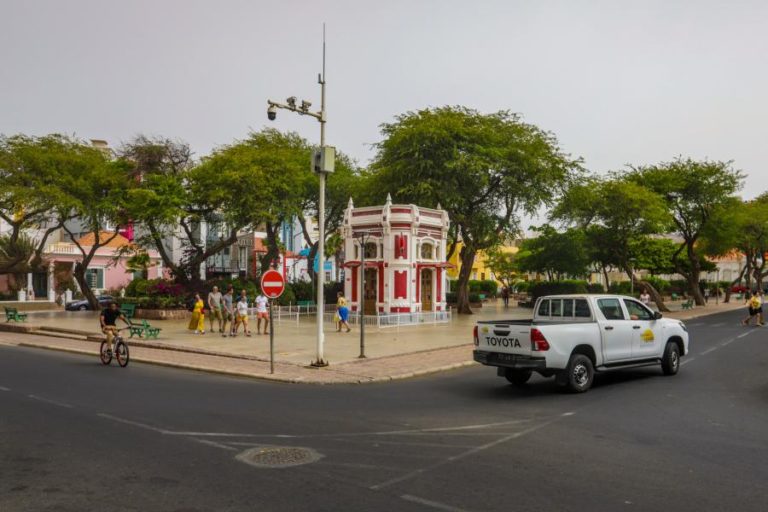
392,353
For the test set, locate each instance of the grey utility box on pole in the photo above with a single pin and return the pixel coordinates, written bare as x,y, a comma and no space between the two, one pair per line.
324,159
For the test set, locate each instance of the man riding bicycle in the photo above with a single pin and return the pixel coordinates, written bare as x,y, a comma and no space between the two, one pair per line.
108,317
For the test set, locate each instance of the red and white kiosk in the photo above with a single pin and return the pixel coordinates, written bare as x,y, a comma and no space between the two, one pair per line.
405,247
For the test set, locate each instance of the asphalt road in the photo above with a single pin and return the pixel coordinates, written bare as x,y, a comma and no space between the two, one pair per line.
75,436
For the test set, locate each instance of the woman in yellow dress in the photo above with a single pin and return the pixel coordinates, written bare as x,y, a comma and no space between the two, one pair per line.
197,322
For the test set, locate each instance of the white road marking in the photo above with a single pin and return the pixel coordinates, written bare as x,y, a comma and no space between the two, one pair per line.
745,334
709,350
133,423
718,324
727,342
463,455
442,430
49,401
3,388
215,444
429,503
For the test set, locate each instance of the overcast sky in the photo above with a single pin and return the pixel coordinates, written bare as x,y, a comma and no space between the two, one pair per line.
618,82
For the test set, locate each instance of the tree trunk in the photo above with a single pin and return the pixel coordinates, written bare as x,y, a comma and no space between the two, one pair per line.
462,286
79,273
607,284
273,250
693,285
733,283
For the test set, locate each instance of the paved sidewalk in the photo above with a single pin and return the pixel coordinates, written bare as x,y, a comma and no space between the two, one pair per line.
392,353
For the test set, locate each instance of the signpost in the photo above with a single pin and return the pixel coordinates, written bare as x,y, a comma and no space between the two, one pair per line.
272,286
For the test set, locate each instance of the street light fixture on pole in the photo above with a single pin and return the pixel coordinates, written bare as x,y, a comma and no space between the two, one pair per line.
363,237
322,164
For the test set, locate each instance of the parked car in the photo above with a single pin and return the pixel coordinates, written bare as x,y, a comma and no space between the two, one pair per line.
82,305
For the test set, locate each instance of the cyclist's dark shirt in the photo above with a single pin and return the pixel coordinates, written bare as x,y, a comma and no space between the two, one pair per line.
110,316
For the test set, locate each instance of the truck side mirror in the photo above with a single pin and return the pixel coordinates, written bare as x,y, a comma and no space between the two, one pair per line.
657,315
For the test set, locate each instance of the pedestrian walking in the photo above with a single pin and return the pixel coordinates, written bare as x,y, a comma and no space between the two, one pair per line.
754,309
227,311
645,297
262,313
241,315
706,294
197,322
342,312
505,296
214,305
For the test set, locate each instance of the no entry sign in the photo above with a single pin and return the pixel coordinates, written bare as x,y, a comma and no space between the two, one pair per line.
272,284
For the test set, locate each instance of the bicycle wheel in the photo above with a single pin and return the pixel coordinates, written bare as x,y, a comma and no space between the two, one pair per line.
106,357
121,353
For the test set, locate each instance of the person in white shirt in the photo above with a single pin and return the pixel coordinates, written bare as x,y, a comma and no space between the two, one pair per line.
262,313
241,316
645,298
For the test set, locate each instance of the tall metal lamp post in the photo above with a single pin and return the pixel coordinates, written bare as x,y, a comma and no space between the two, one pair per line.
322,164
362,238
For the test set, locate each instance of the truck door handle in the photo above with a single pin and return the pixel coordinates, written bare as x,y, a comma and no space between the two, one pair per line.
635,326
608,327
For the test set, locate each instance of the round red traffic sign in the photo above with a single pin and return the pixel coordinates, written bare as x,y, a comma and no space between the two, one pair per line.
272,284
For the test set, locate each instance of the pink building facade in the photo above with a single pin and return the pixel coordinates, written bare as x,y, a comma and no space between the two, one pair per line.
404,258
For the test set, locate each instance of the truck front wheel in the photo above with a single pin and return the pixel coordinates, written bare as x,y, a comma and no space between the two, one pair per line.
517,377
579,373
670,363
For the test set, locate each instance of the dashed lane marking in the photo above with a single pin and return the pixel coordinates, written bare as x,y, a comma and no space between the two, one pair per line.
133,423
727,342
49,401
744,334
688,361
432,504
709,350
3,388
718,324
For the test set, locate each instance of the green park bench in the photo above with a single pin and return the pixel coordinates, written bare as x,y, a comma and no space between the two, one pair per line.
144,330
13,314
128,310
675,296
688,304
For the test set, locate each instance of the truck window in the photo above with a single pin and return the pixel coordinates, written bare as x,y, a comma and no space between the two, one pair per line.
611,309
567,307
582,308
543,308
556,307
637,311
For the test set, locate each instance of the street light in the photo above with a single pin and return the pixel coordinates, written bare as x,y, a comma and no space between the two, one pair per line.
326,166
362,237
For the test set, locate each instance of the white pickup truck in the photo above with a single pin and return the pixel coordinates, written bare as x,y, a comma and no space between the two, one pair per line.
574,336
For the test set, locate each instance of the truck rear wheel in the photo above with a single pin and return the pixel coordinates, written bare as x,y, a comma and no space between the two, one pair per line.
579,373
517,377
670,363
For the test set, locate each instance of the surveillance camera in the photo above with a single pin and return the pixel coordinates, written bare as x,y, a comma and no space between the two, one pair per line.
291,101
305,105
272,113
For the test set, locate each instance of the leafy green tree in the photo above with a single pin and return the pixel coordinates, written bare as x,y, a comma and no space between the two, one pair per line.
624,212
555,254
503,264
31,169
94,189
692,191
483,169
740,226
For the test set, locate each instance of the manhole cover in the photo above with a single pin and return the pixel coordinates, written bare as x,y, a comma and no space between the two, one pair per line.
278,456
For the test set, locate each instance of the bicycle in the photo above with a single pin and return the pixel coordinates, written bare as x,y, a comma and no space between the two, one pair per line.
120,351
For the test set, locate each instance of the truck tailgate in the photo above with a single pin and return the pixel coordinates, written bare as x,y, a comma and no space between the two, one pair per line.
505,337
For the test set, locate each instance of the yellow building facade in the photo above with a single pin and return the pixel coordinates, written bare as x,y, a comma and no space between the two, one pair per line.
480,269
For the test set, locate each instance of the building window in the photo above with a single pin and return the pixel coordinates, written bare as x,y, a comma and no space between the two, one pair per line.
370,250
243,258
427,252
95,277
